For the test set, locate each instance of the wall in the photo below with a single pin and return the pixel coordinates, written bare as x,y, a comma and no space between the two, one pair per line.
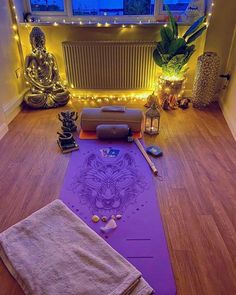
228,101
220,31
11,86
219,39
3,124
56,35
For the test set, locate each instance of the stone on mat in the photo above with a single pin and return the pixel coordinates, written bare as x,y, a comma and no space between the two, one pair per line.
111,225
118,216
95,218
104,218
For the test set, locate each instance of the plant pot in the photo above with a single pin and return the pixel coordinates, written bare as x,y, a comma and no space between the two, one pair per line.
169,92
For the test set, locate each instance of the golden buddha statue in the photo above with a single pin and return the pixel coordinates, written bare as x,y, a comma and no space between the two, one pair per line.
41,72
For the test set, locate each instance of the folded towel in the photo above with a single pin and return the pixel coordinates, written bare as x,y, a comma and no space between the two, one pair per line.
53,252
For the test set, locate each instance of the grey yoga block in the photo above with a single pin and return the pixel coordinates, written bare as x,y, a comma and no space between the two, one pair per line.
112,131
92,117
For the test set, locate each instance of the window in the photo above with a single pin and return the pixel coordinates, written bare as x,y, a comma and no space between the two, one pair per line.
175,5
110,11
47,5
113,8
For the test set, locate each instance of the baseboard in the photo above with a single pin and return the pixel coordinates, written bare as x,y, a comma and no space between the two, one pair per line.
228,120
12,109
3,130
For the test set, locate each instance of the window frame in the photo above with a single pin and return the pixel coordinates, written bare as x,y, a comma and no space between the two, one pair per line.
67,15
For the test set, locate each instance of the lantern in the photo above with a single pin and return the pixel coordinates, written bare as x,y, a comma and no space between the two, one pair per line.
152,120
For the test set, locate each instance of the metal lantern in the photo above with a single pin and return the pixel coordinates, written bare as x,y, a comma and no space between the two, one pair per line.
152,120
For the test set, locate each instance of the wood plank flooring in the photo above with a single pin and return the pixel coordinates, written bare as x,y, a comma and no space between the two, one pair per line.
197,191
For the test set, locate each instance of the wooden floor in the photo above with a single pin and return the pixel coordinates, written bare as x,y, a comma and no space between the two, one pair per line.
197,194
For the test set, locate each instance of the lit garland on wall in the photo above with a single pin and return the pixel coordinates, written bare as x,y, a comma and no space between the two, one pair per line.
209,14
110,99
94,24
16,30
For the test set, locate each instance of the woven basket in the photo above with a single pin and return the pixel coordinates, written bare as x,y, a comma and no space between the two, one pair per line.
206,77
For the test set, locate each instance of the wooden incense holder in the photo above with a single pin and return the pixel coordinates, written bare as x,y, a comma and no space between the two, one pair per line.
142,150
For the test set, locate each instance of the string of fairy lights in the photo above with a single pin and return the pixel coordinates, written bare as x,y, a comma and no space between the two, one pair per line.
105,98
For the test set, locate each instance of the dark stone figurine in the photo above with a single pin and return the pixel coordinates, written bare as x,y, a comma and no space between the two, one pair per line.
68,119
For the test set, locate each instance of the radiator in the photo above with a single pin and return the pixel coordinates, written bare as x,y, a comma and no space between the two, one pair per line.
110,64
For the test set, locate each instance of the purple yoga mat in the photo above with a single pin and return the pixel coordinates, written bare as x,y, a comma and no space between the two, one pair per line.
121,183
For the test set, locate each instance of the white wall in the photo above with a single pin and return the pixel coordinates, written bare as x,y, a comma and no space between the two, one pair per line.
228,98
219,39
11,87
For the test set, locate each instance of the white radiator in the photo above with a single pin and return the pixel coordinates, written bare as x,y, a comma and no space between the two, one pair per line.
110,64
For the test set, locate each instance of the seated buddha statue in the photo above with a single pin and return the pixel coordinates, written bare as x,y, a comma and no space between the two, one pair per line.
41,73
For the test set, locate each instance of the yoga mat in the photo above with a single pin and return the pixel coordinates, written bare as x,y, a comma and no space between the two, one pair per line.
92,135
121,182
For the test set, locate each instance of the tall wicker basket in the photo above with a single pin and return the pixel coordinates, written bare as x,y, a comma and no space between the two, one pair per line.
207,72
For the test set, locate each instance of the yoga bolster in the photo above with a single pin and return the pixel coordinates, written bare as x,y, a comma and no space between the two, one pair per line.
92,117
112,131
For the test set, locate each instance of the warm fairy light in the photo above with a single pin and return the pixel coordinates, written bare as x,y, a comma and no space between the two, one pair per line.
71,85
212,4
16,37
99,24
80,22
165,25
132,26
123,26
14,27
13,7
107,24
55,24
209,14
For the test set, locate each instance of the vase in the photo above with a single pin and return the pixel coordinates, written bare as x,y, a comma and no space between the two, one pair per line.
169,92
205,81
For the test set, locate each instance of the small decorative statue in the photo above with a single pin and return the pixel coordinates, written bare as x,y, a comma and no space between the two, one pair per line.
68,118
67,142
41,73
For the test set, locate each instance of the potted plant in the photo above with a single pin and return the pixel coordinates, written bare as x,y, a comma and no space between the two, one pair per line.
172,54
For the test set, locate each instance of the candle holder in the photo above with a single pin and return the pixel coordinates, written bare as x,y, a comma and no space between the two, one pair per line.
152,120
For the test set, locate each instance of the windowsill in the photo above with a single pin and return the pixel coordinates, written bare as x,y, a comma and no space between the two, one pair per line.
99,24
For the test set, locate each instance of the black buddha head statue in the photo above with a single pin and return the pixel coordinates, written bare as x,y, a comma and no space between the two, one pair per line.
37,40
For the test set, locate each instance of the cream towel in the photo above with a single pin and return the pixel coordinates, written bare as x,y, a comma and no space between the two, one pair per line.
53,252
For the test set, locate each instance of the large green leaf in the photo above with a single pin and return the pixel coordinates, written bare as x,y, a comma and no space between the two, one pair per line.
157,58
195,26
160,48
196,35
188,54
176,45
173,23
166,34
